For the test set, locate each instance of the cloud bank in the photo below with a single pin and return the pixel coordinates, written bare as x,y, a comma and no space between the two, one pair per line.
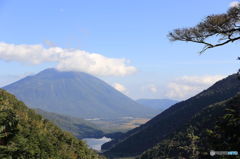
66,59
187,86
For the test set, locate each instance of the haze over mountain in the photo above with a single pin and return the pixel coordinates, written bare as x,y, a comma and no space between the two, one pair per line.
77,94
136,141
157,104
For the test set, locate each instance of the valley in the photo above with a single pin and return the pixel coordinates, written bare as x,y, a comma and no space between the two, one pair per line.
118,137
92,128
120,125
119,79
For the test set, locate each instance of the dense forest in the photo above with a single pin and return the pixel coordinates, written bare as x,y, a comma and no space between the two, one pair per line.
25,134
102,55
159,128
216,128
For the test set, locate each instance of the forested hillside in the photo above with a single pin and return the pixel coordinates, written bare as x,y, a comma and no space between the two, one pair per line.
216,128
77,126
171,120
25,134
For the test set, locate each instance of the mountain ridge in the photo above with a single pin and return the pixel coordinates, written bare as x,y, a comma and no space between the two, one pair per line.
76,94
216,127
170,120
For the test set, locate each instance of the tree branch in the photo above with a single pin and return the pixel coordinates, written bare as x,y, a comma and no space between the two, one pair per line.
209,46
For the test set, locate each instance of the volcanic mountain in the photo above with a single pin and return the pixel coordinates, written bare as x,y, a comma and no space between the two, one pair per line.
76,94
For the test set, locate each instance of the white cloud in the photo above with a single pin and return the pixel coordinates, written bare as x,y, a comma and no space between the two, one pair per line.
201,80
152,88
234,4
180,91
120,87
187,86
66,59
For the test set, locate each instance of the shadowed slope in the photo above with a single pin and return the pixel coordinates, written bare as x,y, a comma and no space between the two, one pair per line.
146,136
214,128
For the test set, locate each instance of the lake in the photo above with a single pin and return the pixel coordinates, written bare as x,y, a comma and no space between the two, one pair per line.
95,143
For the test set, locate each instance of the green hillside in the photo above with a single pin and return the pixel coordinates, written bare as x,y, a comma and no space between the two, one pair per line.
26,135
216,128
140,139
77,126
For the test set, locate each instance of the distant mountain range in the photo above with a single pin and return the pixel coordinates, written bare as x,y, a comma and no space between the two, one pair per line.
175,118
76,94
77,126
157,104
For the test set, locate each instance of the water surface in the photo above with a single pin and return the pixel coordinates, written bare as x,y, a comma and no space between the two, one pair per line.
95,143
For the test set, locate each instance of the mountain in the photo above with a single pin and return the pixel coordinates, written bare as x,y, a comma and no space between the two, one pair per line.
137,140
76,94
25,134
157,104
216,127
77,126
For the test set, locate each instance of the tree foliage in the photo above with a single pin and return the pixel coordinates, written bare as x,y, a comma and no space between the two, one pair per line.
215,30
135,141
214,128
26,135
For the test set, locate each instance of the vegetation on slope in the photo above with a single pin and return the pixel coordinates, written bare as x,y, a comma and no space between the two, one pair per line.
25,134
92,129
216,128
77,126
138,140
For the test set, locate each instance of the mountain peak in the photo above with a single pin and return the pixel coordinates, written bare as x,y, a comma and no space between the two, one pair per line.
77,94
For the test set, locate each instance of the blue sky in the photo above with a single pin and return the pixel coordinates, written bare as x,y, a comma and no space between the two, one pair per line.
133,30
